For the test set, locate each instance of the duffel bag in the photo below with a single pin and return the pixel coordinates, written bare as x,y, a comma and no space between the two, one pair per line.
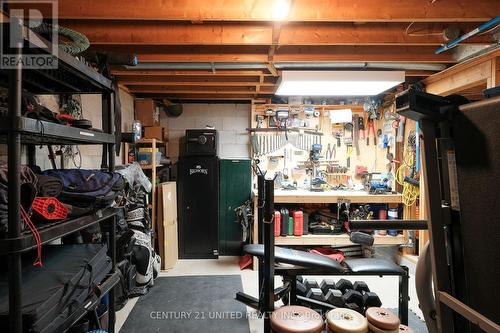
83,188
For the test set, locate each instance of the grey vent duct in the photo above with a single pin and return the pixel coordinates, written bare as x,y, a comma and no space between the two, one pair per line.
287,65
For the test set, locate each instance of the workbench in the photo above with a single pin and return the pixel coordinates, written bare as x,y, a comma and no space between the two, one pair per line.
307,197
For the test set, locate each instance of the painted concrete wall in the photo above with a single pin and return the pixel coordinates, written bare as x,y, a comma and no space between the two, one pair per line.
230,120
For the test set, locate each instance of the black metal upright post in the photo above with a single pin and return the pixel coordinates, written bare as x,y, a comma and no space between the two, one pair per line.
111,130
437,237
31,155
260,226
112,254
106,109
108,158
268,254
14,196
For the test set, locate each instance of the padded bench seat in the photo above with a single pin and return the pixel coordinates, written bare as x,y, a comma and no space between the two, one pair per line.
374,266
370,266
295,257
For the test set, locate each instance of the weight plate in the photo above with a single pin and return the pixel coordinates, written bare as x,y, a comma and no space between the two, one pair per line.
382,318
375,329
405,329
296,319
343,320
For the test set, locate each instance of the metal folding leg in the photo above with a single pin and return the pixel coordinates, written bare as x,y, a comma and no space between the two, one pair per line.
404,296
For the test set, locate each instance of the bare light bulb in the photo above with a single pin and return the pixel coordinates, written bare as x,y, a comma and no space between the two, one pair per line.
281,9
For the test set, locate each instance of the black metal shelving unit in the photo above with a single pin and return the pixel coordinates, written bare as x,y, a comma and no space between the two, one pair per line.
71,77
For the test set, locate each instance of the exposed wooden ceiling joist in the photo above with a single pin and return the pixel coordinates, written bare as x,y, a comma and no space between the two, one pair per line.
205,96
168,33
344,53
209,73
197,90
301,10
197,83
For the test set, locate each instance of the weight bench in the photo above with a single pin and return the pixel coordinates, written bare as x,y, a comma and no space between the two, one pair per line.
290,263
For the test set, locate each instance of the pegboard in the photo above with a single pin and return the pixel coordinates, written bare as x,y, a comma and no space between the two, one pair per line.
373,157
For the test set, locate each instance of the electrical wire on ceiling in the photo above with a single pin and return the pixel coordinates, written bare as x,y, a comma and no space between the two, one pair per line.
415,34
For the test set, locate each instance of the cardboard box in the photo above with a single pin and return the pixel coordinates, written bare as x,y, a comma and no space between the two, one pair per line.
147,112
154,132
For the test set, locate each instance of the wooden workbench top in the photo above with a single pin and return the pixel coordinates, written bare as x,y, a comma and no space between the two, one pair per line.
304,196
335,240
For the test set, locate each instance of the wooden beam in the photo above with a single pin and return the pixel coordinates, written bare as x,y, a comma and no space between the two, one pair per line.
191,90
469,74
423,54
191,96
190,84
457,82
462,66
495,73
199,80
208,73
301,10
147,53
119,32
272,69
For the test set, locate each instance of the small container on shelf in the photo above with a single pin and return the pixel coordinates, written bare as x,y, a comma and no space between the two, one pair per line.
382,215
146,158
290,225
298,223
277,223
392,214
284,221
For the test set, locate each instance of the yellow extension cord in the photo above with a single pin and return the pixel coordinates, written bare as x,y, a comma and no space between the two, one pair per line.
410,192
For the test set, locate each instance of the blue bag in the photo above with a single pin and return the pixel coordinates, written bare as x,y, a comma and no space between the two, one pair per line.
83,188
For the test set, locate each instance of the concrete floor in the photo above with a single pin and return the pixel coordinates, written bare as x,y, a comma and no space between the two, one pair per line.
386,287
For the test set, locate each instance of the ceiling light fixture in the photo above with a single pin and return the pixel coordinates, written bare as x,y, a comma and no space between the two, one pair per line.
337,83
281,9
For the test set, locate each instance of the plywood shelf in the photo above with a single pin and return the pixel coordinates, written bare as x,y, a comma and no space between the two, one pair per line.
150,167
304,196
335,240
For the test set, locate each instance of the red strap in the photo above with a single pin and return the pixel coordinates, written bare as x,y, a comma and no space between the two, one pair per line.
36,235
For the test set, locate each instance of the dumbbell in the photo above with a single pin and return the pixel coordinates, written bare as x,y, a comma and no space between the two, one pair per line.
301,289
311,283
326,285
355,307
371,299
361,286
343,285
316,294
334,297
353,297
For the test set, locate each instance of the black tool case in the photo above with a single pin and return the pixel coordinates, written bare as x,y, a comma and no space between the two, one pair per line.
50,294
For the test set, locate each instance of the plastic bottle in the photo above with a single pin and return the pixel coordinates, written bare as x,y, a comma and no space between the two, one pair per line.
298,223
277,223
284,221
290,226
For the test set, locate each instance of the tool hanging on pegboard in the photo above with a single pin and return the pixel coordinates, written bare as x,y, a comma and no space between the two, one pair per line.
348,131
355,136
